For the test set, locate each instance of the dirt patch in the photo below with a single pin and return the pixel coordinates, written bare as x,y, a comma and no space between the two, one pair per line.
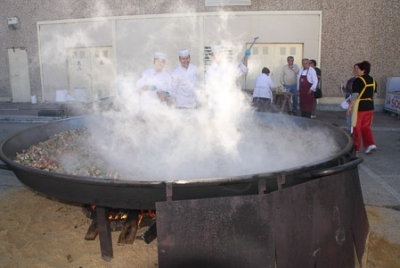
382,253
38,232
383,243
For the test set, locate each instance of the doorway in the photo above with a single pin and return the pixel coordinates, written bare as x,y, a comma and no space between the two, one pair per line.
19,75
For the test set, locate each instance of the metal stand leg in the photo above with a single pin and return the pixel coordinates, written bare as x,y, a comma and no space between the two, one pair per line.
104,233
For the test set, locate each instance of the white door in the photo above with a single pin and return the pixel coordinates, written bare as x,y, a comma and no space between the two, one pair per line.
102,72
91,73
80,73
272,56
19,75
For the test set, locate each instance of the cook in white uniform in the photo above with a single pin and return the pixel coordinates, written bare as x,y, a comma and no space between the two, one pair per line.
262,95
184,82
154,84
222,76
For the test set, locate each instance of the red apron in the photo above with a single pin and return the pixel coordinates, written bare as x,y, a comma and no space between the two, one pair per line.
306,100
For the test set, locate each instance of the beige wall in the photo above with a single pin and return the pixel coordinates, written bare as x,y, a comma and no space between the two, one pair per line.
351,31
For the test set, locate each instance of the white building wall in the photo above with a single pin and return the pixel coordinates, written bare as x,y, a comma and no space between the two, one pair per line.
136,38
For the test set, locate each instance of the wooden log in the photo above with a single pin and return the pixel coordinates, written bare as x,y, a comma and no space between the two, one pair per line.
92,231
129,229
150,234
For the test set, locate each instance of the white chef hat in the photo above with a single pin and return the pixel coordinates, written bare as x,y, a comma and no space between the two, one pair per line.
216,48
160,55
184,53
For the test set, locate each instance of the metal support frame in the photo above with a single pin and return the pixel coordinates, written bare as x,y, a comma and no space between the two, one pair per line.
104,233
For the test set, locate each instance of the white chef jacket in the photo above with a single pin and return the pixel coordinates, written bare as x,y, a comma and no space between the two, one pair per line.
184,85
311,78
263,87
161,80
220,78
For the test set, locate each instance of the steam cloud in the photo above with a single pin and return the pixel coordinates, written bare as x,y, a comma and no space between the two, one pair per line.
184,145
170,144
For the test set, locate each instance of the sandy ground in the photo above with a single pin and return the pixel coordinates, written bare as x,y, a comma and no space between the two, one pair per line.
384,237
36,231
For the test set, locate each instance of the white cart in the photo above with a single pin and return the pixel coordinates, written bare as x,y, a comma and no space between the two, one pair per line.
392,102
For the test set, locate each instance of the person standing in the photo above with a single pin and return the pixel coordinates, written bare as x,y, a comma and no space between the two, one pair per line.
306,86
262,95
184,82
313,64
347,90
362,107
155,83
288,80
222,76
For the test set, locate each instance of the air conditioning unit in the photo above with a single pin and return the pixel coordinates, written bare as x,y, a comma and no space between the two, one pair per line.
13,23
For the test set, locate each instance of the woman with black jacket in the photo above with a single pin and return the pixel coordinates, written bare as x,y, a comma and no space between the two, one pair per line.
362,107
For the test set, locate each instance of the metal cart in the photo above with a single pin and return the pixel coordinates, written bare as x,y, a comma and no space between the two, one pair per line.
392,102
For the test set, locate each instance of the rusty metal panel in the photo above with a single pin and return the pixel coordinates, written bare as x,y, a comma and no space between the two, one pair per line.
215,232
332,241
360,225
293,226
343,208
314,222
320,223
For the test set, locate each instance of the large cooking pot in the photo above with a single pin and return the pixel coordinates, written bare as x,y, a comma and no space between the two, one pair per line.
144,194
